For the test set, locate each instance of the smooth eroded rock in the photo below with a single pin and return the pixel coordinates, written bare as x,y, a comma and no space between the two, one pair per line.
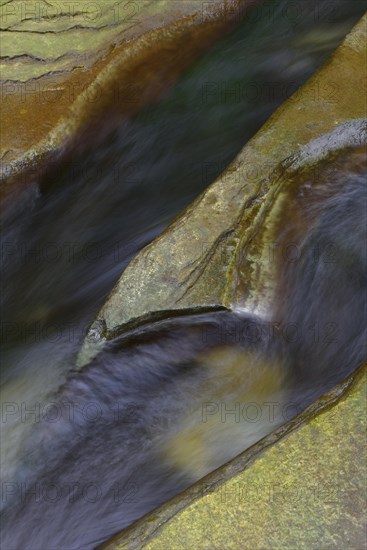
64,64
304,490
204,260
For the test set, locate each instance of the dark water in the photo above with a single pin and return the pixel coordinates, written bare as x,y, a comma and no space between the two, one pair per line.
102,448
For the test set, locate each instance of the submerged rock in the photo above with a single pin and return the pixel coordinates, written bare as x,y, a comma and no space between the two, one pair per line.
224,417
306,490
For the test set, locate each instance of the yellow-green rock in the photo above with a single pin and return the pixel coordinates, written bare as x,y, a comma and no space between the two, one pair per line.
64,64
44,34
306,490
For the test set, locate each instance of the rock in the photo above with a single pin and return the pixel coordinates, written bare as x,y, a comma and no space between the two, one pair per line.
64,63
213,255
301,487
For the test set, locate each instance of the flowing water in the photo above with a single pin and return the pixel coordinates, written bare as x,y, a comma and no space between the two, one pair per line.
85,454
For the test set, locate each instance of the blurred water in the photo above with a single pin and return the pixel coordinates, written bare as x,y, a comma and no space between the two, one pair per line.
63,248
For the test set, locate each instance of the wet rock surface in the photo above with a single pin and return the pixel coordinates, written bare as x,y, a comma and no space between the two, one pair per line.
203,261
62,64
301,485
213,258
